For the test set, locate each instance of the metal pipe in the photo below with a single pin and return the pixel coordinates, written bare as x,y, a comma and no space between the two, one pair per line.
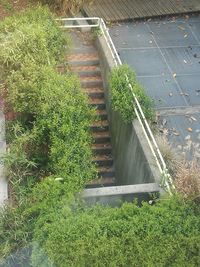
78,26
86,18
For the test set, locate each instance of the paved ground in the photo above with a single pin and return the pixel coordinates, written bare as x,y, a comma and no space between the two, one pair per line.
166,57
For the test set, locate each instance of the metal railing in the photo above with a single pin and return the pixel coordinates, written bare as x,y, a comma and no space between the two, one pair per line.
95,22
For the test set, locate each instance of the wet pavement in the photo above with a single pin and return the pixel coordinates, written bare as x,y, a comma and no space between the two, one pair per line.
165,54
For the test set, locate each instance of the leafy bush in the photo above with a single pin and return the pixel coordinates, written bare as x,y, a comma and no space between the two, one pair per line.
121,96
166,234
64,6
52,110
61,117
49,156
30,37
16,229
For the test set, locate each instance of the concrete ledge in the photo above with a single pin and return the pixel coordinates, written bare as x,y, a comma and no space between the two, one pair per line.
3,180
121,190
115,196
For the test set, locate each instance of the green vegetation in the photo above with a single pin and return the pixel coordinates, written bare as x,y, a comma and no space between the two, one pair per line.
166,234
49,144
33,37
121,96
48,162
6,4
64,6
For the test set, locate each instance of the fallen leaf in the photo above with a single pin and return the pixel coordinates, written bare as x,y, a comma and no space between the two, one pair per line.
185,94
165,131
164,122
189,129
176,133
193,118
181,28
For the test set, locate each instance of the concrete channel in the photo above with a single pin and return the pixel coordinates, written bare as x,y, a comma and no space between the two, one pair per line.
136,172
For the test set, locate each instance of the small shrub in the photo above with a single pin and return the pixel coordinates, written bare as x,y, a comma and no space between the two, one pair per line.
169,154
6,4
187,180
49,155
166,234
57,137
15,235
121,96
64,6
30,37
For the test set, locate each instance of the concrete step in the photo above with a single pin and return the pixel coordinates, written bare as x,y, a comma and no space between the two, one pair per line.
102,114
83,59
62,69
102,149
100,126
83,71
106,171
91,81
103,160
83,49
98,103
101,182
95,92
101,137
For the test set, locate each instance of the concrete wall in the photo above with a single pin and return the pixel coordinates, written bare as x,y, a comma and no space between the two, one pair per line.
116,195
134,162
136,171
3,180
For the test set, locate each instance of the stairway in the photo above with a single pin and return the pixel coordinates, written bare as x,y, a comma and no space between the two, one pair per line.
85,63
